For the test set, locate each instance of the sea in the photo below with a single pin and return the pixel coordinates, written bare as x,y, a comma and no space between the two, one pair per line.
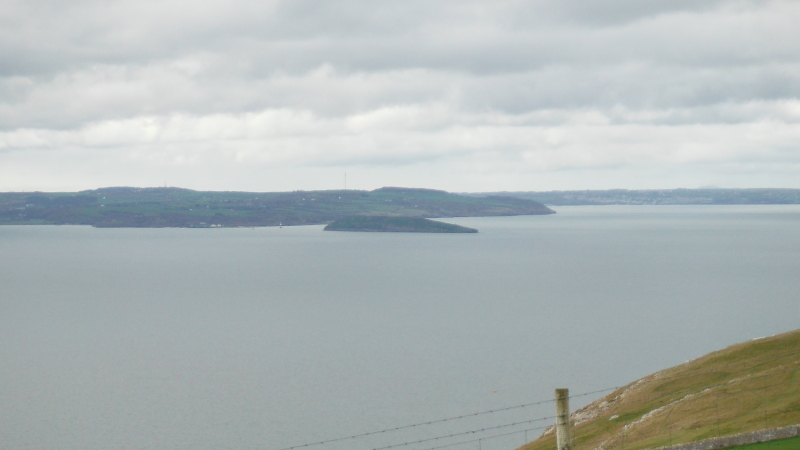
292,337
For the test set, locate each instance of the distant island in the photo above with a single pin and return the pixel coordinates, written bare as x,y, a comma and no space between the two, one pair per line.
715,196
395,224
176,207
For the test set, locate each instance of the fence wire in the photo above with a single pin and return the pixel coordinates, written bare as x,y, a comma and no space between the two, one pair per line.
708,423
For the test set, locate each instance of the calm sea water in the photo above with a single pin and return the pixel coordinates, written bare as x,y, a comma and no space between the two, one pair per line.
268,338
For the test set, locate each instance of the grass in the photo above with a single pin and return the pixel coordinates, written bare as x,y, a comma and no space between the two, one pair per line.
783,444
747,387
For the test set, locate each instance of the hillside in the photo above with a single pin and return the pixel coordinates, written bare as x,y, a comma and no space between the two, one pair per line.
746,387
175,207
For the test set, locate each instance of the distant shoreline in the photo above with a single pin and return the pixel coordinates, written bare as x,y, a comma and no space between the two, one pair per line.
754,196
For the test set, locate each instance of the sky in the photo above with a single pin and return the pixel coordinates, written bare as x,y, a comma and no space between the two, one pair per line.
466,96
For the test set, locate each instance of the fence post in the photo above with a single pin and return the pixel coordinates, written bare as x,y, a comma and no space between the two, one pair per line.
563,440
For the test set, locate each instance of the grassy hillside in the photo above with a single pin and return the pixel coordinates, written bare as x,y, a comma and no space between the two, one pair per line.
174,207
746,387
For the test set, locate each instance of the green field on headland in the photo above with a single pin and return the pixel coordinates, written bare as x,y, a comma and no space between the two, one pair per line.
746,387
175,207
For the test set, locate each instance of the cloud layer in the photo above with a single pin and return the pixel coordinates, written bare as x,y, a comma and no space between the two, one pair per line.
465,96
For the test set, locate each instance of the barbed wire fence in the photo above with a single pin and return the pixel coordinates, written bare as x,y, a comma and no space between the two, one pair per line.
657,426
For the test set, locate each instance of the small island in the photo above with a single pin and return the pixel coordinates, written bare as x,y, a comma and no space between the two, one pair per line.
395,224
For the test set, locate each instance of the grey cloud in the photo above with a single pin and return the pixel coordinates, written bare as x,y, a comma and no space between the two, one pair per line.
115,92
486,46
495,80
615,12
366,35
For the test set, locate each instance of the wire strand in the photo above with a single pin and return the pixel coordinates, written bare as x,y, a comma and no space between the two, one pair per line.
430,422
464,433
525,405
485,438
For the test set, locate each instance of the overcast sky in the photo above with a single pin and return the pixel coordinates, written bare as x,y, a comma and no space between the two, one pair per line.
458,95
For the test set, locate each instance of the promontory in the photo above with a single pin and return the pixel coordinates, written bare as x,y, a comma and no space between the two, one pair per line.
177,207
